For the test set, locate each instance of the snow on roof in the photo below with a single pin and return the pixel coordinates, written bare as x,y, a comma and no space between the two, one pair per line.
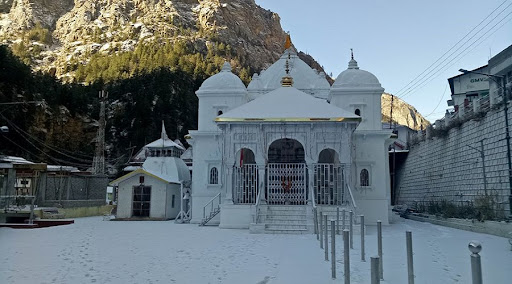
171,169
164,141
57,168
188,154
354,77
14,160
223,82
287,103
304,77
167,169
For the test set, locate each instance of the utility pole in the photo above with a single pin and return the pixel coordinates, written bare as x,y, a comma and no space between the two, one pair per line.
391,111
507,136
98,164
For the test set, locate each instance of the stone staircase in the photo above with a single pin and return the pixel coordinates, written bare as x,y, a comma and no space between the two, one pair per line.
287,219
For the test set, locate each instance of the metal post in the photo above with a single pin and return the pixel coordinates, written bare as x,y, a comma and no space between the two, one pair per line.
333,249
326,239
343,219
362,239
321,231
379,248
346,254
374,260
410,266
351,228
337,220
315,222
507,137
476,266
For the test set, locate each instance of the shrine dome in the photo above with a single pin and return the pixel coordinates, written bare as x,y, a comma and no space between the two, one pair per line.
305,78
354,77
224,82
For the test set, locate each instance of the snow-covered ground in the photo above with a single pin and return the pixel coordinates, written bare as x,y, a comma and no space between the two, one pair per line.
97,251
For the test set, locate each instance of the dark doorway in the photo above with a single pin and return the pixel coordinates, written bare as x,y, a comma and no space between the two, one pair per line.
141,200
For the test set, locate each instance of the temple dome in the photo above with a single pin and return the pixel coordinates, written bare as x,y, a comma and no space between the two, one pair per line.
354,77
223,82
304,77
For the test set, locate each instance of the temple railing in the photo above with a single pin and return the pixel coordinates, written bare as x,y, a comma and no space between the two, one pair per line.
245,184
330,184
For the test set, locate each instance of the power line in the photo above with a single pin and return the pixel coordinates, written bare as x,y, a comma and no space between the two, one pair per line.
438,103
19,130
460,55
434,66
398,93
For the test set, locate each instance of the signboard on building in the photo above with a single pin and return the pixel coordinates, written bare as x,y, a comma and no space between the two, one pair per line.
470,83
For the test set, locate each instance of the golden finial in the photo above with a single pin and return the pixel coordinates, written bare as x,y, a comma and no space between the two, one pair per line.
287,80
288,42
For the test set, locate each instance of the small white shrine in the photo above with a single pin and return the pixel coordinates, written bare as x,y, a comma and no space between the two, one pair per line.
266,155
155,190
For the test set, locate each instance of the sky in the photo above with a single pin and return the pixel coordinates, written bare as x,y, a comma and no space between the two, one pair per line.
400,41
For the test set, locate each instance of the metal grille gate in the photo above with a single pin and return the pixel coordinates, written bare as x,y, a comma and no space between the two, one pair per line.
245,184
286,183
330,184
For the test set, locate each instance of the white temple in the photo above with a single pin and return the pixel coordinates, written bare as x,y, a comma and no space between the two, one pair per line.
266,155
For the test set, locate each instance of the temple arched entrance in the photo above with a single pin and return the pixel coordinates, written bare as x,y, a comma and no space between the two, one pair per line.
329,182
246,179
286,173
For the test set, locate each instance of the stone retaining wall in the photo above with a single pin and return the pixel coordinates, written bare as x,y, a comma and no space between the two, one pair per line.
449,166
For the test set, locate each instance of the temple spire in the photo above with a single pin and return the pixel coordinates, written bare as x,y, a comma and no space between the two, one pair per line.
164,133
352,64
288,42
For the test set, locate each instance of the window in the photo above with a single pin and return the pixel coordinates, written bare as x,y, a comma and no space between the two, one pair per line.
219,112
214,176
172,201
364,178
357,112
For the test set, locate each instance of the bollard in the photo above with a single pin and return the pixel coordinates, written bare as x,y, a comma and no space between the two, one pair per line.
410,266
343,219
346,254
374,262
379,248
362,238
315,222
337,220
326,239
333,249
476,265
321,229
351,228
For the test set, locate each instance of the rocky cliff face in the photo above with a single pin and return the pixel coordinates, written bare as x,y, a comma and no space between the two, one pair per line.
403,113
57,35
81,28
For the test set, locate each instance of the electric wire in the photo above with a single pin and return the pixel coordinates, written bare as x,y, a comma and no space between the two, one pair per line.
415,84
17,129
399,91
438,103
46,145
460,55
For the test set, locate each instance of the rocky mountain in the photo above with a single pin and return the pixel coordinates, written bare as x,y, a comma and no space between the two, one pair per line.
77,29
150,55
403,113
